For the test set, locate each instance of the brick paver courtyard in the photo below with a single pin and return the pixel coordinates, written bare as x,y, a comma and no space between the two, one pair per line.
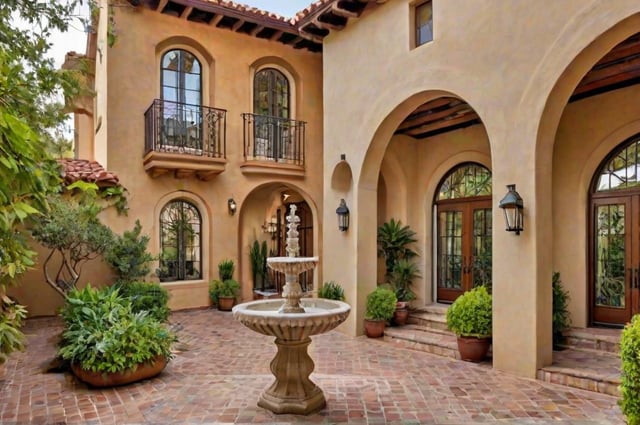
222,368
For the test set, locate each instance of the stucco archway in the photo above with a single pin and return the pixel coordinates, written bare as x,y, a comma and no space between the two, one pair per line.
263,204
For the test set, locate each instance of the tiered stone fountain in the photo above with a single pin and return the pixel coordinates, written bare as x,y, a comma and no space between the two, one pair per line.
292,321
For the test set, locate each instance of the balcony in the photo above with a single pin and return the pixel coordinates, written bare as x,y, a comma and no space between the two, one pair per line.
273,145
185,140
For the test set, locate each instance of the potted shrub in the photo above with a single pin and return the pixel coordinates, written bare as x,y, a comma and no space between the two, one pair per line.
469,317
381,303
107,343
402,275
331,291
223,292
630,382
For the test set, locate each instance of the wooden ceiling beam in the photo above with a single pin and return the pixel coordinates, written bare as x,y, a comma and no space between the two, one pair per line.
327,25
337,10
438,125
276,35
606,72
422,120
254,32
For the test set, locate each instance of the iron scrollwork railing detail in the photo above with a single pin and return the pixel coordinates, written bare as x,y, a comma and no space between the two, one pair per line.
268,138
185,129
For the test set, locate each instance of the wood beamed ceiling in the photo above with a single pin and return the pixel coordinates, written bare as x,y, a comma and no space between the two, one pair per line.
617,69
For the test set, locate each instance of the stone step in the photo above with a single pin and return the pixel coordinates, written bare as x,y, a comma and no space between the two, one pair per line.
596,339
415,337
433,316
592,370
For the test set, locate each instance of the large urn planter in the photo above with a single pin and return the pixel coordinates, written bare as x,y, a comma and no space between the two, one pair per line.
111,379
473,349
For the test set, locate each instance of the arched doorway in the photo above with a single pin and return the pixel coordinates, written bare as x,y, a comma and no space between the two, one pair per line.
614,252
463,231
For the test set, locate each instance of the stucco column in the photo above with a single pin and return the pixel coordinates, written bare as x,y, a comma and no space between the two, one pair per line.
522,264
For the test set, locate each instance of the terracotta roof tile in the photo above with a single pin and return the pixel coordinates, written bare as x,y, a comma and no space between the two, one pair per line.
88,171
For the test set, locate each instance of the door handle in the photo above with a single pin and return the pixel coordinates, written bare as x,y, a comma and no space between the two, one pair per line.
635,278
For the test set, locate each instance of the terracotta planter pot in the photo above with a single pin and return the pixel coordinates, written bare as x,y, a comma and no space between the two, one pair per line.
108,379
473,349
400,316
226,303
374,328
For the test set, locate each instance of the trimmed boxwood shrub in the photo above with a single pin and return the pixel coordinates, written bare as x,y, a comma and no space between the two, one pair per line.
630,382
470,313
102,333
381,304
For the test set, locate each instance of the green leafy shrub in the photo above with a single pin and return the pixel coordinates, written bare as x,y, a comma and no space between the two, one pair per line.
223,288
393,243
331,291
147,296
381,304
103,334
561,318
630,382
128,255
470,313
226,269
12,315
401,279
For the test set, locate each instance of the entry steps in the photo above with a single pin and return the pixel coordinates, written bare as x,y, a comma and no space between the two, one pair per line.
588,359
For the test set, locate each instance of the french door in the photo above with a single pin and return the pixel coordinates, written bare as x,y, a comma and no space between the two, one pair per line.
463,246
615,258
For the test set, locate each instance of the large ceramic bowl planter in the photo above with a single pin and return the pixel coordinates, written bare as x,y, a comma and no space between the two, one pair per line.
111,379
226,303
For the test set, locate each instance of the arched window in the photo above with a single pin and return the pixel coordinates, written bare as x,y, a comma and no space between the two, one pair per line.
180,242
614,259
463,205
272,126
271,93
181,91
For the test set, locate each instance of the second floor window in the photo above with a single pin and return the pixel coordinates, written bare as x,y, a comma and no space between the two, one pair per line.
424,23
181,78
271,93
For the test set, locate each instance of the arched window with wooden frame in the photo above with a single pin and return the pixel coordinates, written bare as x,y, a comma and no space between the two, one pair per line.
272,114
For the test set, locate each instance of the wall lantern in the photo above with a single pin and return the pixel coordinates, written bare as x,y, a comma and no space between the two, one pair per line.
271,226
231,204
343,216
512,206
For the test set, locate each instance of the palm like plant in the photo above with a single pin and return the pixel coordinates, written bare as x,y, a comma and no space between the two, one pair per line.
393,241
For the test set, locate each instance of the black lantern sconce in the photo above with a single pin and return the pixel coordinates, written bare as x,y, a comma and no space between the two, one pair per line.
512,205
231,204
343,216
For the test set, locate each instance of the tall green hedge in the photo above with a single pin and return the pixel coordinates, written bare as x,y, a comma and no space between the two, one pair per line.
630,356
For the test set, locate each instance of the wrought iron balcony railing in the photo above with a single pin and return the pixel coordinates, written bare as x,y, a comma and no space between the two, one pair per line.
276,139
181,128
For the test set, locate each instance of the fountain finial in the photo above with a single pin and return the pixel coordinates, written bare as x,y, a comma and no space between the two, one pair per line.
293,246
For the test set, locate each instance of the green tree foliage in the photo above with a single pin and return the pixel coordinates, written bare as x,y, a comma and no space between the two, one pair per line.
128,254
74,234
393,243
28,82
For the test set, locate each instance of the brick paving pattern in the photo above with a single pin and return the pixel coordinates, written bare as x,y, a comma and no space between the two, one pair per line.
221,368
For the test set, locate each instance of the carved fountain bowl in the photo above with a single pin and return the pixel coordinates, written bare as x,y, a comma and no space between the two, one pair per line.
320,316
292,265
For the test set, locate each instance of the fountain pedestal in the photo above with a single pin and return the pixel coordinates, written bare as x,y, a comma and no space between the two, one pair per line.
293,391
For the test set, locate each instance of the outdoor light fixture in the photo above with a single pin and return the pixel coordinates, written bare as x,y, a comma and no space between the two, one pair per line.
343,216
232,206
271,226
512,206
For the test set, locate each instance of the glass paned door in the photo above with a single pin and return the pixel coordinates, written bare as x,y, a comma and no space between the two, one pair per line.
615,259
464,247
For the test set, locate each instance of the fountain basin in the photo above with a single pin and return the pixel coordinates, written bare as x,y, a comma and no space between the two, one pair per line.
292,265
265,317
